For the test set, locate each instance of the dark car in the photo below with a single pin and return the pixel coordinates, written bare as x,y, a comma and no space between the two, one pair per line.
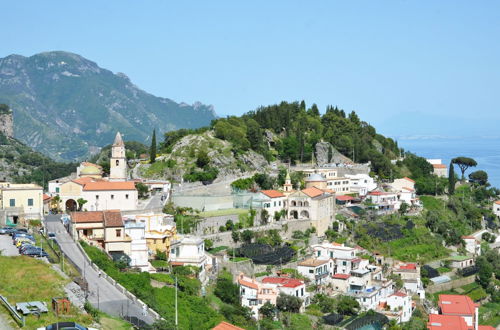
5,230
33,253
51,235
30,248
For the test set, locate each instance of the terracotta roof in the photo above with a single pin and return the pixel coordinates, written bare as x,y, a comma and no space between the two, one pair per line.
83,181
313,192
377,193
408,266
283,281
439,165
341,276
399,294
446,322
176,263
46,197
312,262
272,193
456,304
345,198
226,326
113,218
248,284
409,189
497,202
407,178
109,185
485,327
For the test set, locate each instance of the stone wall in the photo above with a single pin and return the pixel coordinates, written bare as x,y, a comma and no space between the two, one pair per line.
450,285
7,124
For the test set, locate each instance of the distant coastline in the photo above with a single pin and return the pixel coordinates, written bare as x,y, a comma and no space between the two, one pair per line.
484,149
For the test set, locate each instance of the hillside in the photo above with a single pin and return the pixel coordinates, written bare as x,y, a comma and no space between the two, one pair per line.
287,133
20,164
56,94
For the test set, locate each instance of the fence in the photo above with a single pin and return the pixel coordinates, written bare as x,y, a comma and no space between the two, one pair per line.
19,318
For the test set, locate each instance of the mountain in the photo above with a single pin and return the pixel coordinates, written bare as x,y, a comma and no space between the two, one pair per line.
68,107
20,164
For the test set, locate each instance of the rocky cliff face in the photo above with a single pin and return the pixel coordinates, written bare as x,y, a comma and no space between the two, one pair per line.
66,105
7,124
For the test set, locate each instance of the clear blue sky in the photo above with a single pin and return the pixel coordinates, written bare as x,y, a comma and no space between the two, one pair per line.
388,60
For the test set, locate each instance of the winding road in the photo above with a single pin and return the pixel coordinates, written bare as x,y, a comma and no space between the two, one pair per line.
102,294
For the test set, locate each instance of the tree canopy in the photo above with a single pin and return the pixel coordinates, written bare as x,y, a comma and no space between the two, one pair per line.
464,163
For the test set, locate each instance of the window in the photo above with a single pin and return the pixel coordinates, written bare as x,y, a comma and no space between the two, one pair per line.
319,253
311,271
12,202
126,196
274,203
112,196
30,201
344,263
96,196
118,233
117,162
57,189
302,292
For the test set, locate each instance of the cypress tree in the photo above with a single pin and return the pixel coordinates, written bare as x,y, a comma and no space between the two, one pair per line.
152,150
451,179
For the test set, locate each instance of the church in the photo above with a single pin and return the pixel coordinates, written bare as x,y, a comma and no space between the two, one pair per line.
100,193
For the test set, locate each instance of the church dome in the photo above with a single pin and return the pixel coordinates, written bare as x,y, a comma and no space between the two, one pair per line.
315,177
90,170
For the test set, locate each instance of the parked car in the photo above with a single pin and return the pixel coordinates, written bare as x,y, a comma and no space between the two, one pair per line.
24,240
51,235
5,230
34,253
30,249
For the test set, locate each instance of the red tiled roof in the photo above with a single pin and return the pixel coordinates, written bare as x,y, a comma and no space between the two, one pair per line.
409,189
83,181
439,165
283,281
456,304
408,266
313,192
446,322
248,284
272,193
226,326
485,327
106,185
111,218
497,202
90,164
46,197
399,294
176,263
377,193
341,276
345,198
407,178
313,262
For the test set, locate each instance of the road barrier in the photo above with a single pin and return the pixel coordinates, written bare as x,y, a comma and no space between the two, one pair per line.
19,318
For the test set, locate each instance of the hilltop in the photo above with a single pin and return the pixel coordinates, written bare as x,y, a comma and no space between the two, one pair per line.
60,94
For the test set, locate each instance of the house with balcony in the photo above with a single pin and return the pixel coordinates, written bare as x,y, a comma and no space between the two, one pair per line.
369,297
410,275
190,251
318,271
255,294
344,257
361,184
138,248
472,245
160,231
383,202
292,287
398,306
104,229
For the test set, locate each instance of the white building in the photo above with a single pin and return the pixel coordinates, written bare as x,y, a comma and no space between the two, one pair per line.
108,195
138,247
344,257
255,294
410,275
400,307
370,297
460,262
440,169
399,184
273,201
317,270
361,184
496,208
472,245
189,251
290,286
384,202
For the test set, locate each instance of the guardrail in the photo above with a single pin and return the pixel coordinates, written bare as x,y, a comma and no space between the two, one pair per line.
18,318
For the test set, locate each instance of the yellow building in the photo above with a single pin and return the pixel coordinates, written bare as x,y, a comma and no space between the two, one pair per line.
20,202
160,231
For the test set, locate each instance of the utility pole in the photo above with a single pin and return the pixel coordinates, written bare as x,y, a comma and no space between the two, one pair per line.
176,315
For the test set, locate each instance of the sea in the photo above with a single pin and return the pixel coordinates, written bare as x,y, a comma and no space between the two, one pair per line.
485,150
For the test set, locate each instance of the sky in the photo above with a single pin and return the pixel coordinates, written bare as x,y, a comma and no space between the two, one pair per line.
406,67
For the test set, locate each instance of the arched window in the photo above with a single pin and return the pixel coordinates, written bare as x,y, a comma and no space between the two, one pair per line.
117,162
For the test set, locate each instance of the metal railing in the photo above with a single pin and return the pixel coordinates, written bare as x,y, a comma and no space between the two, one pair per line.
19,318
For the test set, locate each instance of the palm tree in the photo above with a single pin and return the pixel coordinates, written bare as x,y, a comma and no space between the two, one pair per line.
81,202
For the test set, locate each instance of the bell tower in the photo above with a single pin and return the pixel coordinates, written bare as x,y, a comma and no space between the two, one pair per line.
118,162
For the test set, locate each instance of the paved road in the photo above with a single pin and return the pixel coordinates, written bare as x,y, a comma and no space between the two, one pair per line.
156,201
102,294
8,249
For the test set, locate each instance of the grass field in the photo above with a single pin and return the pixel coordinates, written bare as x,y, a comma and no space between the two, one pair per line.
25,279
489,314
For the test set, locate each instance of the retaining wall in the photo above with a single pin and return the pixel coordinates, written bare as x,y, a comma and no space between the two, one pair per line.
450,285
